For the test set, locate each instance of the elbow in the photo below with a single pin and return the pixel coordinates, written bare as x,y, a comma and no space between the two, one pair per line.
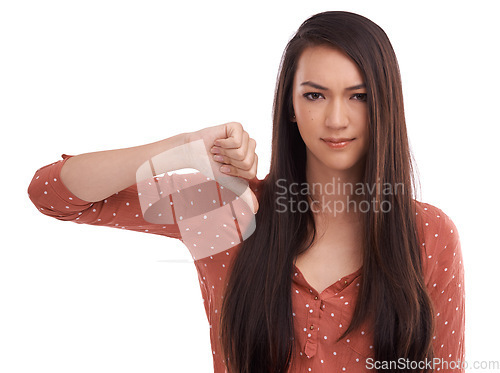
35,193
45,198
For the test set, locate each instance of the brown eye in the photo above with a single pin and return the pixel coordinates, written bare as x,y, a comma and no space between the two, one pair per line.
360,96
312,96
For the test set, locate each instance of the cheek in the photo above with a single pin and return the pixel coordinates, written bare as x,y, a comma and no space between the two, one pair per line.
303,115
360,117
302,109
306,118
307,127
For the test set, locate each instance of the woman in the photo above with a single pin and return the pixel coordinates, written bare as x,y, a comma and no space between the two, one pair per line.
345,270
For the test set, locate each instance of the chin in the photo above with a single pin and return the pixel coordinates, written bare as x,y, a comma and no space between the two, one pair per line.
343,165
340,167
339,161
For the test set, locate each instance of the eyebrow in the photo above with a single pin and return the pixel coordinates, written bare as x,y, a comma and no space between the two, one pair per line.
317,86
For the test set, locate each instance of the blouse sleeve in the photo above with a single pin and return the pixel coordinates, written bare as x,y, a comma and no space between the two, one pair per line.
446,288
210,217
121,210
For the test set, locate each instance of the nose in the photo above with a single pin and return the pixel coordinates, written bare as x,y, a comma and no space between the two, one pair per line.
337,116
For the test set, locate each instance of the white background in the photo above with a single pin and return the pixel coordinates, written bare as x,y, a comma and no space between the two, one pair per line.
83,76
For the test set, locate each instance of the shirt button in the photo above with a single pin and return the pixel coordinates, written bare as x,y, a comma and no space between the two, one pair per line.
345,282
315,297
312,327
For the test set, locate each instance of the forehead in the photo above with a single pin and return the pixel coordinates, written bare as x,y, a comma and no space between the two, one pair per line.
327,65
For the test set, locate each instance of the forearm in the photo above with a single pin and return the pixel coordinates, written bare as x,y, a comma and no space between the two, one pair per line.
94,176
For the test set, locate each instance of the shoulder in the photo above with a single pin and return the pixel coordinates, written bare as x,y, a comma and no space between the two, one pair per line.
439,240
433,221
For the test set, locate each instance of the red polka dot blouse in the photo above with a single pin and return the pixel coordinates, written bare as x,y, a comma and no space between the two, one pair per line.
319,318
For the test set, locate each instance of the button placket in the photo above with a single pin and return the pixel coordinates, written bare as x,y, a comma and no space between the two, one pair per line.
312,328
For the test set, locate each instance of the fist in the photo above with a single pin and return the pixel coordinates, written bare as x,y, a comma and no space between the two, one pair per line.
232,150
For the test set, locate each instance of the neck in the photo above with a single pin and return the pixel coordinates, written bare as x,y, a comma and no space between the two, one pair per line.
333,192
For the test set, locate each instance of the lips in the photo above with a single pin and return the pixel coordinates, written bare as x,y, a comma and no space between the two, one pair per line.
337,140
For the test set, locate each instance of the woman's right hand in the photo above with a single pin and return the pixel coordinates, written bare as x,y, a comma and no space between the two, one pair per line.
230,146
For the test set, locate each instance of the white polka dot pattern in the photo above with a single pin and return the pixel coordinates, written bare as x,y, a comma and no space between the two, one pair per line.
319,319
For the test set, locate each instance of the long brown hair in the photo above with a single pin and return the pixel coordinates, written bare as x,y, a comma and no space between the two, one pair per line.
256,325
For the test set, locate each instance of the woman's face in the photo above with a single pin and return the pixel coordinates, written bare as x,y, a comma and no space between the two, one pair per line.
329,103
